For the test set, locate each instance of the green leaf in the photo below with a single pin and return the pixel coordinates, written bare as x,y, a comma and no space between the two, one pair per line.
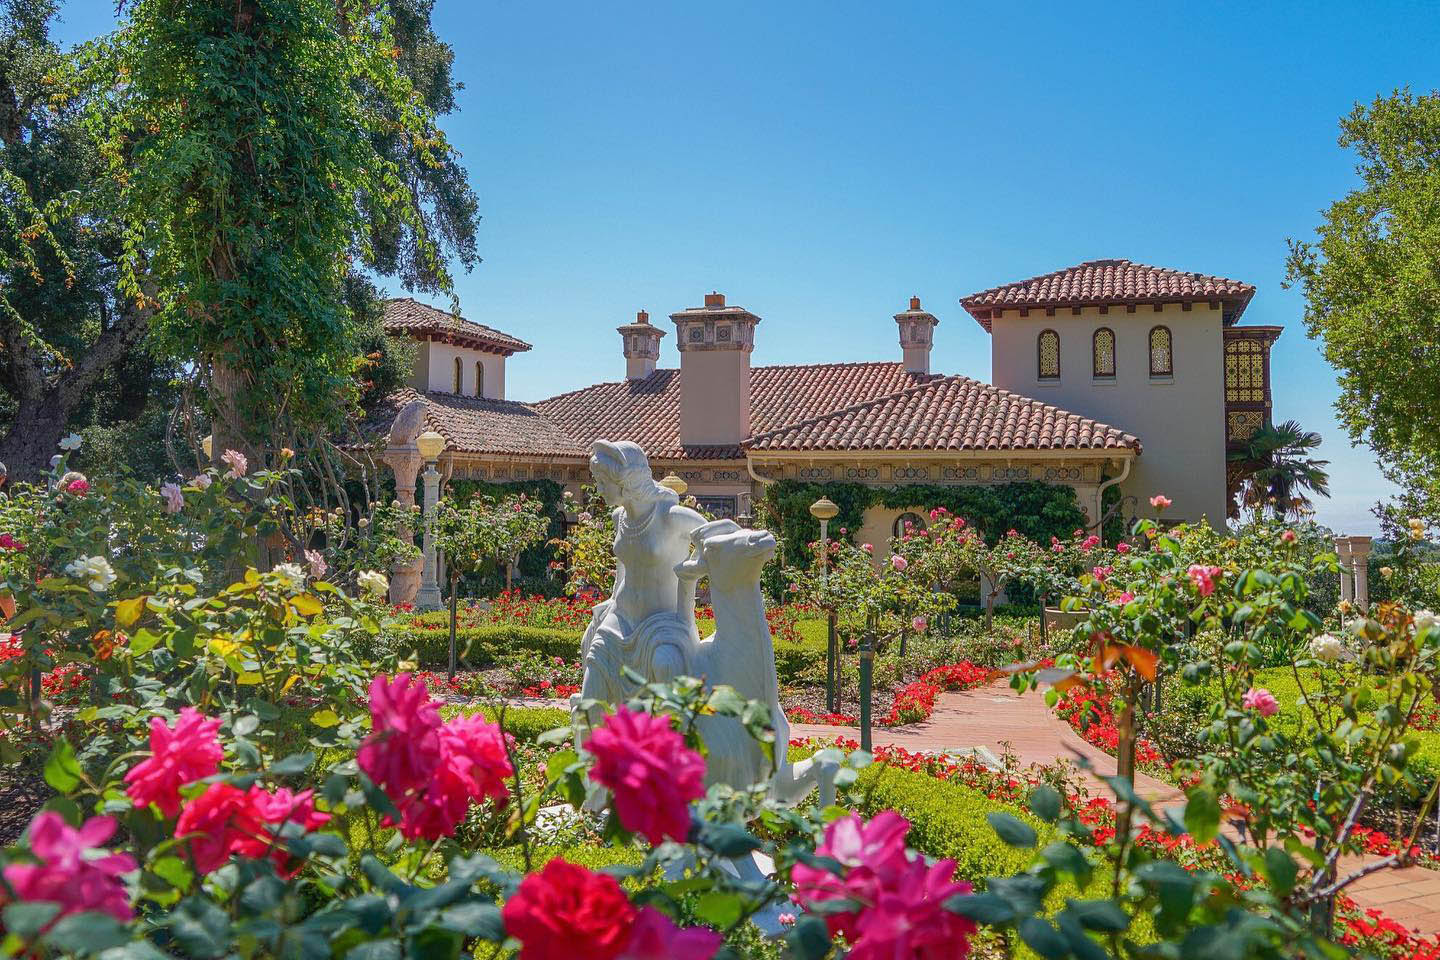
1039,935
62,770
1104,916
1045,803
1202,814
295,763
1014,831
375,950
201,928
28,918
718,908
809,938
474,919
86,933
728,839
983,908
325,719
1280,869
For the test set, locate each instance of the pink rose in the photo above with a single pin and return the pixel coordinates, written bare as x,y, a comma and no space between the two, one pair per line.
1204,578
649,770
1288,536
10,543
316,561
237,463
179,755
1125,597
1122,548
226,820
173,496
873,855
473,766
1160,501
898,563
654,936
403,748
1260,700
200,481
68,873
78,487
565,911
919,624
868,548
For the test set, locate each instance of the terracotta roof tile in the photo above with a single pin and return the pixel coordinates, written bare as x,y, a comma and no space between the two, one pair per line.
648,411
478,425
946,413
405,315
1107,283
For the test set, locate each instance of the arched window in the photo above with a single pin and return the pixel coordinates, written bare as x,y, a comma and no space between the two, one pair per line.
1047,348
459,375
1162,358
479,378
1102,352
907,524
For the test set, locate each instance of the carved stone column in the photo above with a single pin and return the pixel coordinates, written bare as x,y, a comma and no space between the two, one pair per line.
428,597
404,461
1360,564
1347,578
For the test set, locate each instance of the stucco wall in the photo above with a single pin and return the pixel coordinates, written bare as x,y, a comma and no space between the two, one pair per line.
1179,419
435,370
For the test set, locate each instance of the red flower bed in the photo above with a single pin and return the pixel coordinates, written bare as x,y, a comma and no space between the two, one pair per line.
1080,702
913,703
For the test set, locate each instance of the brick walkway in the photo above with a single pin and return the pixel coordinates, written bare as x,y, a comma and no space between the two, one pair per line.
996,718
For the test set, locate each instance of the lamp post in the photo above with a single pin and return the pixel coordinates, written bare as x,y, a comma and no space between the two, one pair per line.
431,445
867,666
825,510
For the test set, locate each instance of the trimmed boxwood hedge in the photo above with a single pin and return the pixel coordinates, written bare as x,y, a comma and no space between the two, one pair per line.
482,647
522,723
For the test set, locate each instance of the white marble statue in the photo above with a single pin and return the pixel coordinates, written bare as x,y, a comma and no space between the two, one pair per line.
648,624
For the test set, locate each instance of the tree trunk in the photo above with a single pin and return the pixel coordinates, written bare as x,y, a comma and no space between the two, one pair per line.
33,438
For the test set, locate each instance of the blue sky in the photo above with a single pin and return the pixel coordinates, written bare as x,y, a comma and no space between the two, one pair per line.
821,162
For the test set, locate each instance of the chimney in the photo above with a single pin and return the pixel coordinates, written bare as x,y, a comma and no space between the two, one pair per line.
641,343
917,336
715,343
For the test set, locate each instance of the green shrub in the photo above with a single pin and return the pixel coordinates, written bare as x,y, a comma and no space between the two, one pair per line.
482,647
522,723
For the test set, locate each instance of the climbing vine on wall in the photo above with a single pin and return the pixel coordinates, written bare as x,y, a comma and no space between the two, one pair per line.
1037,510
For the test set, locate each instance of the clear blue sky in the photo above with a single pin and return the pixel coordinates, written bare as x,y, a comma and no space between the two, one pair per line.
821,162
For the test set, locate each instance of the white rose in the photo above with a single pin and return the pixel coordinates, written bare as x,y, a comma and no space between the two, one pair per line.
1425,619
95,571
1327,647
70,443
201,481
293,574
372,581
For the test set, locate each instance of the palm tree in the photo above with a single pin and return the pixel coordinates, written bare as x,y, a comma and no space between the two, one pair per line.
1278,471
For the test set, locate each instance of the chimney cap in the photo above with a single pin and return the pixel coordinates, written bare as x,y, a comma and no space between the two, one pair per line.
714,299
914,303
642,317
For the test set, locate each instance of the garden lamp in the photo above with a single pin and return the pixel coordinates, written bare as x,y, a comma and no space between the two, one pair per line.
826,510
206,444
431,445
672,482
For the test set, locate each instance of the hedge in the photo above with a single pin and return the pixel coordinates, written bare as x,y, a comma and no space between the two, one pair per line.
482,647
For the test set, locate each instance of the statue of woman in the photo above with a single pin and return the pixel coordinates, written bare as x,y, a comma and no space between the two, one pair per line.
647,624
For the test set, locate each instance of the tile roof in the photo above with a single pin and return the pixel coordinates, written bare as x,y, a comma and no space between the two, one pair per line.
946,413
478,425
833,406
648,411
1109,283
406,315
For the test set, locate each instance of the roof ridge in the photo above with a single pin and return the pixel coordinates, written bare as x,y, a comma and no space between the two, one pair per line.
606,383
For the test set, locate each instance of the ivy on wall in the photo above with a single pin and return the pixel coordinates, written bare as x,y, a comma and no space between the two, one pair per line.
1037,510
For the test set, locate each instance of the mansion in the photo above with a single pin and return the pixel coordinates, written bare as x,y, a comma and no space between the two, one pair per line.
1108,373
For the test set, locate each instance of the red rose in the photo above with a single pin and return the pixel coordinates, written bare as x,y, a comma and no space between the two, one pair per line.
565,911
650,771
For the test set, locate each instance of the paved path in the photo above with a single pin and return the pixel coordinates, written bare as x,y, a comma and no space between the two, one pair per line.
996,717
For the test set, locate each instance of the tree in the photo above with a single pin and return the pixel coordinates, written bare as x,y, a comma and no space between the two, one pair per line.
1279,470
249,218
1372,287
63,327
